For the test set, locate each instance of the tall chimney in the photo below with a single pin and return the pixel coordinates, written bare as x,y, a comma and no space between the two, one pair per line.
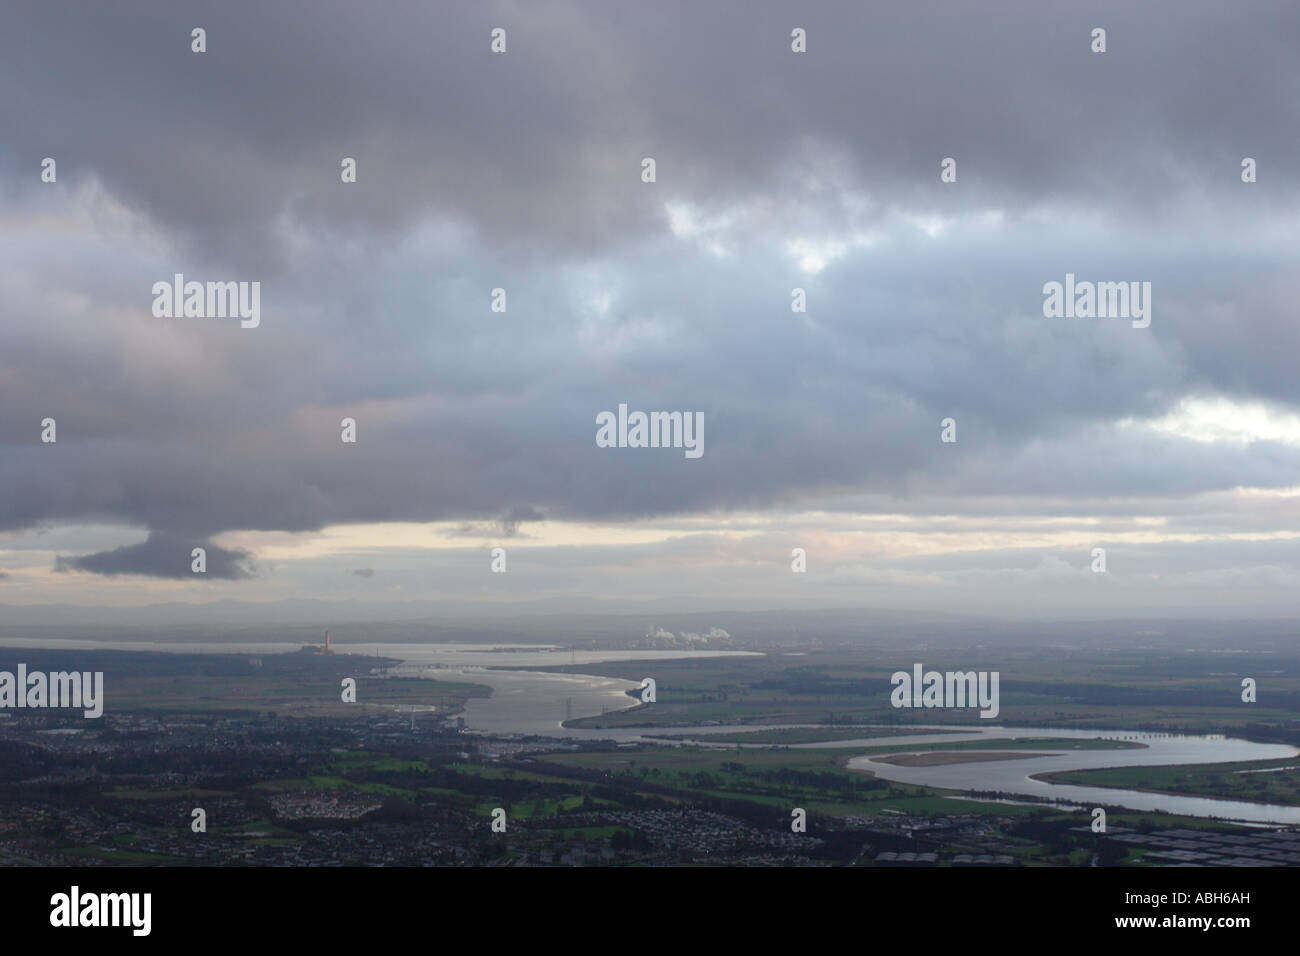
327,640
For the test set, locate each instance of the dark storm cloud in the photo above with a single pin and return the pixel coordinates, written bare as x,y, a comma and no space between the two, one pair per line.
478,171
163,556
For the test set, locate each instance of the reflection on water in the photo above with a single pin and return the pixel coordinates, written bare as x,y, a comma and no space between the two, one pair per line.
1013,776
525,701
522,701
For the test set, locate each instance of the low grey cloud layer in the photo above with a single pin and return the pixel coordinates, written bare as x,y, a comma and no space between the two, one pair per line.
522,171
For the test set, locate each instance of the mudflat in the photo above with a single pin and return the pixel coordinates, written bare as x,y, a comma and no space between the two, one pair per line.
939,758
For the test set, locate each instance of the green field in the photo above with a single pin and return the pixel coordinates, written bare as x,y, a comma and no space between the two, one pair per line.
313,696
813,779
798,735
1188,692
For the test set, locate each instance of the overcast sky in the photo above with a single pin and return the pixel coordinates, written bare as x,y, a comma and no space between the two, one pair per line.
1174,447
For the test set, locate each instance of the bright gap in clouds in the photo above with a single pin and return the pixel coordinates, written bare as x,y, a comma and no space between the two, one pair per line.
1223,420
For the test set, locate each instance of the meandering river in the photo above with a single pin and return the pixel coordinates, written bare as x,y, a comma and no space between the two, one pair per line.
526,701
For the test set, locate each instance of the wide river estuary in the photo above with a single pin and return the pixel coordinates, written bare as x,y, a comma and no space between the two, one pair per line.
525,701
